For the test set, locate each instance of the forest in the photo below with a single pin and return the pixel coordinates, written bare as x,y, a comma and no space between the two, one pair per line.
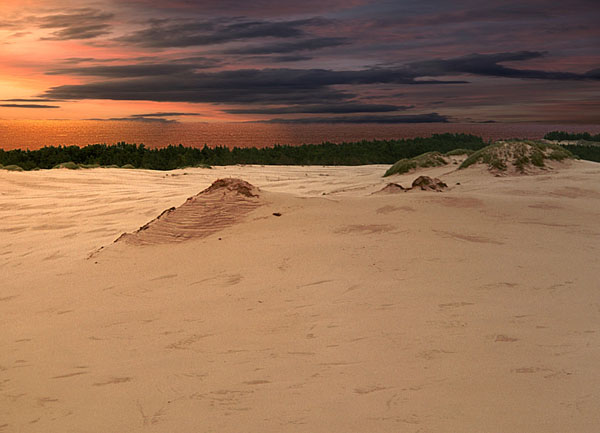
173,157
563,136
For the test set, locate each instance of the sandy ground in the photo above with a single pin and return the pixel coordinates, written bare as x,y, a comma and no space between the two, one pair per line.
472,310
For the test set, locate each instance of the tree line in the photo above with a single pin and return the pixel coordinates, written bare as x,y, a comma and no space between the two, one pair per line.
172,157
327,153
563,136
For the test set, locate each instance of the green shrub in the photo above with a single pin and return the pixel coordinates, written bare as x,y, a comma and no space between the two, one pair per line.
458,152
429,159
68,165
559,154
13,167
128,166
400,167
537,158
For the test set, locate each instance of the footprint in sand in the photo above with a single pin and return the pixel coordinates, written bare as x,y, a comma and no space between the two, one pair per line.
113,381
505,339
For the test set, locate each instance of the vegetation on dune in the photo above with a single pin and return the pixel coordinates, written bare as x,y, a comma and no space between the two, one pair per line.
172,157
519,154
429,159
68,165
12,167
459,152
568,136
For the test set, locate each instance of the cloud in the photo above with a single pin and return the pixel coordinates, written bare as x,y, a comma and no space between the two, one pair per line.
264,86
76,60
166,114
246,8
593,74
19,34
176,82
287,59
323,108
488,65
136,119
129,71
79,32
28,106
290,47
415,118
84,23
31,100
186,33
149,117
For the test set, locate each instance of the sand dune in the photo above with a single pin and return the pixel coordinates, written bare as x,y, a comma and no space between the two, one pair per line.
469,310
219,206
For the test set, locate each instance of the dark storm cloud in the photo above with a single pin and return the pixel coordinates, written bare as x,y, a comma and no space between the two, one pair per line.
593,74
166,114
290,47
200,62
150,117
488,65
28,106
287,59
84,23
130,71
205,61
289,86
266,86
415,118
186,33
31,100
323,108
445,14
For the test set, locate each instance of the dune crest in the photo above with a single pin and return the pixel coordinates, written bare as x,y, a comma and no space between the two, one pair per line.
517,156
221,205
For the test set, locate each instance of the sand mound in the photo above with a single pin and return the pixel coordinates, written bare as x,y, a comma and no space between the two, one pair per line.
428,184
221,205
424,183
517,156
391,188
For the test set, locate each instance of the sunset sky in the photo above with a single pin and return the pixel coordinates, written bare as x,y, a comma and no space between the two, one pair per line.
345,61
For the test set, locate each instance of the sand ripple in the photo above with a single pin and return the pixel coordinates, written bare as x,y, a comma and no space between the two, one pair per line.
221,205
